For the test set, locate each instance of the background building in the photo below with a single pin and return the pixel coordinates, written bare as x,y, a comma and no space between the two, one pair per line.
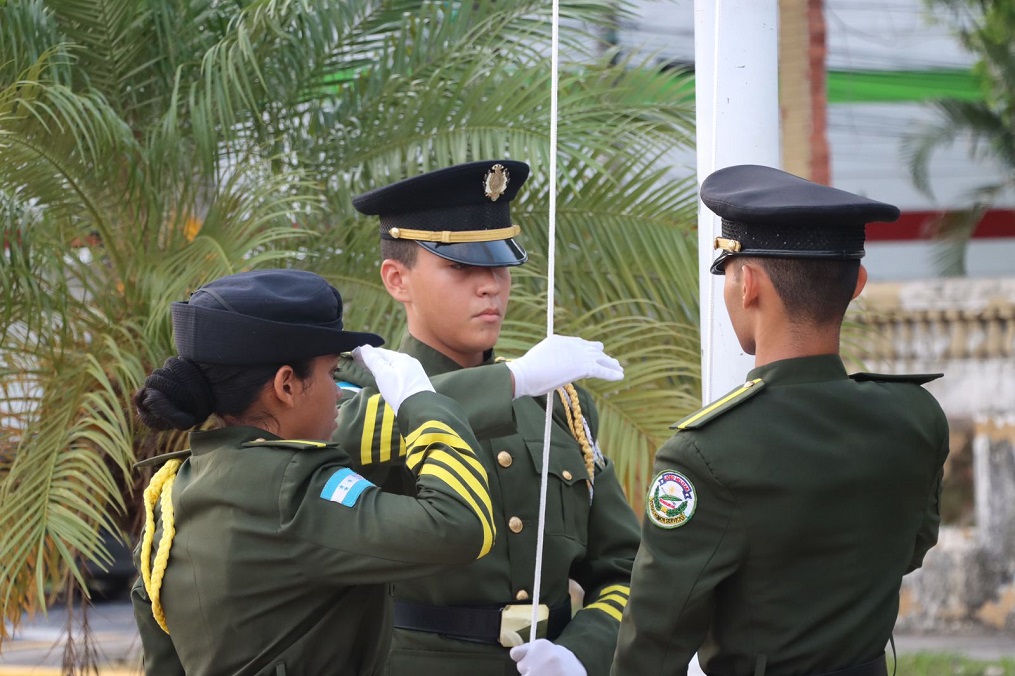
855,77
883,61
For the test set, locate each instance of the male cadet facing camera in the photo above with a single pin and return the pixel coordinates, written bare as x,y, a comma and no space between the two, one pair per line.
783,516
447,248
263,552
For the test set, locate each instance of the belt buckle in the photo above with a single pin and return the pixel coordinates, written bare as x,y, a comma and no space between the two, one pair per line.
516,621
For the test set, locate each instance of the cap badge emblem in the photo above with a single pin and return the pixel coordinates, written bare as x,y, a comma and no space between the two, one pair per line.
495,182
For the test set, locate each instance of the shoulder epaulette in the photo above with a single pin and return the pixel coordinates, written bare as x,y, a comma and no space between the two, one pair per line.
297,444
703,415
161,459
915,378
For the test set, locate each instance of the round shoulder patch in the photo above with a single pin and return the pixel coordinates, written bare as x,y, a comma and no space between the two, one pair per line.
671,500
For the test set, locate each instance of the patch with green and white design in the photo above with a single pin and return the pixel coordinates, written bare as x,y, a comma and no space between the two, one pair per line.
671,500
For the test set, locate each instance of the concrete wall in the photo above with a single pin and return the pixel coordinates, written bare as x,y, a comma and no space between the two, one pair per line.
964,328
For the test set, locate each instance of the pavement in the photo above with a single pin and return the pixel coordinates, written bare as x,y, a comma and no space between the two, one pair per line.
37,647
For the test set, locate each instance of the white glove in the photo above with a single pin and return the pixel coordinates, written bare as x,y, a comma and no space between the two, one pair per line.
543,658
398,375
558,360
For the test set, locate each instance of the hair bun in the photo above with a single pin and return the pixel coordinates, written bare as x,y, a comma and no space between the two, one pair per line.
176,396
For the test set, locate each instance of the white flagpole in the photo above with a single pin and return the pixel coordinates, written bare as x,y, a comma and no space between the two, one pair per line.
736,66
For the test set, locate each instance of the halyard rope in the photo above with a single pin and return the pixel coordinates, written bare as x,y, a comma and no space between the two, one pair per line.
550,255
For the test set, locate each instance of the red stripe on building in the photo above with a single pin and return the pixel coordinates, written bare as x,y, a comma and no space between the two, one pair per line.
915,225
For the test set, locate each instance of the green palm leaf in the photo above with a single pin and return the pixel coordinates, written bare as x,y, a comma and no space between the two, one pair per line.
149,147
985,29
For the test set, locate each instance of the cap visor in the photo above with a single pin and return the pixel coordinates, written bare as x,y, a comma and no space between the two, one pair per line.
496,254
719,264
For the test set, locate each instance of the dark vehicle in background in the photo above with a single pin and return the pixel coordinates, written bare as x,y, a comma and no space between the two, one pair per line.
112,582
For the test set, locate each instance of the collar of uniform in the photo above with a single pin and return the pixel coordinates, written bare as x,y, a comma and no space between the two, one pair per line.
434,363
205,441
800,370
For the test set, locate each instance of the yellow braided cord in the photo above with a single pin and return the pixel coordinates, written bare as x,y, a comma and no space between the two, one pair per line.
566,400
151,495
573,409
159,488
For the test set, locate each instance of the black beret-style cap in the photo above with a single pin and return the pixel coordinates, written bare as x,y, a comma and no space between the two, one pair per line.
264,317
460,213
767,212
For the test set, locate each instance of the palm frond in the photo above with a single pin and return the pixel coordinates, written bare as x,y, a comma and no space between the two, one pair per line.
58,478
149,147
28,32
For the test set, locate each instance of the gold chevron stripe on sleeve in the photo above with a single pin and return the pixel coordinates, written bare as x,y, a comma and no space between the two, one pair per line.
454,484
452,440
425,436
418,452
606,608
454,465
471,461
612,600
366,443
387,430
426,427
622,588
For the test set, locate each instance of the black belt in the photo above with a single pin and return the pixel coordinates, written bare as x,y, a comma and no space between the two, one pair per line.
876,667
468,623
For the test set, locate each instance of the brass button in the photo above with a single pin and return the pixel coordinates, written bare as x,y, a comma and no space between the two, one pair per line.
566,475
504,459
515,524
522,595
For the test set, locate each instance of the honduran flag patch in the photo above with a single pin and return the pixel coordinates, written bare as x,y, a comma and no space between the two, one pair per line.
345,487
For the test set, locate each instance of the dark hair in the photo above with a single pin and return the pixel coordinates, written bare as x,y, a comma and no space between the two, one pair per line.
183,393
402,250
813,290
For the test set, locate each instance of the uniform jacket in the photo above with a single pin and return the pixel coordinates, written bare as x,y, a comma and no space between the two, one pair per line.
279,567
781,521
592,541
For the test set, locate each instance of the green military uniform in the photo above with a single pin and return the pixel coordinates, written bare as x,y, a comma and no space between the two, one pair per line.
590,536
281,552
781,521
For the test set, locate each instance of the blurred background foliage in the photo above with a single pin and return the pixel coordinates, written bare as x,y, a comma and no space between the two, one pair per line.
148,146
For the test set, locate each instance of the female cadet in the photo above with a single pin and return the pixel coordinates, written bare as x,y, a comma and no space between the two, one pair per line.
263,552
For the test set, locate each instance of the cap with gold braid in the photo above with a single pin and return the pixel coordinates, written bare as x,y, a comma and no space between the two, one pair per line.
769,213
461,213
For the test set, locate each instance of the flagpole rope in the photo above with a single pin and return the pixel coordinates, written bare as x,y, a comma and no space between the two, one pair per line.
550,268
708,375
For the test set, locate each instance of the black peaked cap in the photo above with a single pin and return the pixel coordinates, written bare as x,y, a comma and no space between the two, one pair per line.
264,317
770,213
466,199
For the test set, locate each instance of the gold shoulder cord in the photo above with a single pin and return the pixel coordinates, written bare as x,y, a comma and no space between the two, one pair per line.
573,410
160,488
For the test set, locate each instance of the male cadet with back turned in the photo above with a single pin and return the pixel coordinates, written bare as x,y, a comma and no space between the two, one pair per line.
783,516
447,247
